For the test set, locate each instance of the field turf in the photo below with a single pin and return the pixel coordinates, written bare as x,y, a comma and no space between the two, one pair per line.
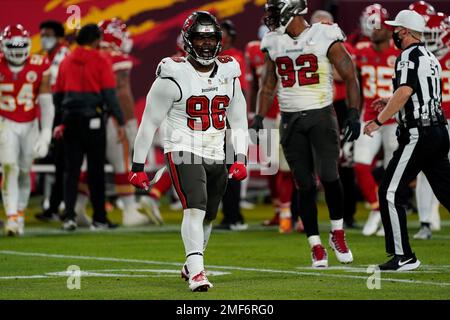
144,263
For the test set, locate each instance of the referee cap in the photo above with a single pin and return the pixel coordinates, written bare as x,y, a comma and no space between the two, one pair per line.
408,19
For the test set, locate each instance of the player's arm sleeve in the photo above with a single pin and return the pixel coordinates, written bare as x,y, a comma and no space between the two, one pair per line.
407,70
237,118
160,98
108,89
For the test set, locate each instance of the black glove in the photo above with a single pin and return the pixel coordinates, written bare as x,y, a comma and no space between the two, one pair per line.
352,125
257,123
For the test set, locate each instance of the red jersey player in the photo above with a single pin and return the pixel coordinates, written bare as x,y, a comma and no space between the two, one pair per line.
24,79
375,61
116,44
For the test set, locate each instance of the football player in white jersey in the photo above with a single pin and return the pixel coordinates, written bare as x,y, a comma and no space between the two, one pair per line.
299,67
197,96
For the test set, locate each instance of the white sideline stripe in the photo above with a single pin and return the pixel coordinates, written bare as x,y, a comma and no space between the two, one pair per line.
23,277
315,274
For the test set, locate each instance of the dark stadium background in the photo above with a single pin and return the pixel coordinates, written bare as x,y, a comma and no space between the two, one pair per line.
155,24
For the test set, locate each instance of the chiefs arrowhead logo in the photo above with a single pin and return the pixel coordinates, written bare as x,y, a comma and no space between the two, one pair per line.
391,61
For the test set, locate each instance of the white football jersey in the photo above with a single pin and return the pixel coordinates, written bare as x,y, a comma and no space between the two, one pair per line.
197,122
305,75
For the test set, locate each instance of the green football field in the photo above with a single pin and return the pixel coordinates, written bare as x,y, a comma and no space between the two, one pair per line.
144,263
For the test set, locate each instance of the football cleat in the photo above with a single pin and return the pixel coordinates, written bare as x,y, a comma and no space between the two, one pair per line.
104,225
401,263
319,256
69,225
131,218
372,224
423,234
199,283
285,225
339,245
185,273
275,221
12,226
151,209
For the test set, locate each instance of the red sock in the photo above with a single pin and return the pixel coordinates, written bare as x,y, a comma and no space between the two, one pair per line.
367,183
285,186
273,185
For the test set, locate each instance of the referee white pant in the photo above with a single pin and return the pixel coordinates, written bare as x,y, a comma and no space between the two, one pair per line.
427,203
424,150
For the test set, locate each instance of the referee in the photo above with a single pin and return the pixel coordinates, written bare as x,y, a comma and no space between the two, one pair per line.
422,135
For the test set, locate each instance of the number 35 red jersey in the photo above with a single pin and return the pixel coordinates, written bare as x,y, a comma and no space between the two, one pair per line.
377,70
18,91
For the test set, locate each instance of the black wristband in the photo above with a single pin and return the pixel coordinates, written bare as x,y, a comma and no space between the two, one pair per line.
378,123
241,158
137,167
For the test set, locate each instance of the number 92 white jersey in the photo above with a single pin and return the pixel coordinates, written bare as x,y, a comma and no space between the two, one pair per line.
196,122
305,75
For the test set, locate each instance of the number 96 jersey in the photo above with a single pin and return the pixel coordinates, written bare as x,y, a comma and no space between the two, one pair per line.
18,91
305,75
196,122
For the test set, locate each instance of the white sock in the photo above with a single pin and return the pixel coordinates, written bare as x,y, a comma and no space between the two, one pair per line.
337,224
207,227
193,239
10,188
314,241
24,183
285,212
82,200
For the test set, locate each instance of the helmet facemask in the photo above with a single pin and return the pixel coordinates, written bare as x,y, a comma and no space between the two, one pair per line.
16,50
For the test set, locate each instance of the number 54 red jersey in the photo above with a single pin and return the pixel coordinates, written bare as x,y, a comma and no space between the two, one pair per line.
18,91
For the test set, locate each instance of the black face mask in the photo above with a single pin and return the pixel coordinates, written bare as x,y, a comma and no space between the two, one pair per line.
397,40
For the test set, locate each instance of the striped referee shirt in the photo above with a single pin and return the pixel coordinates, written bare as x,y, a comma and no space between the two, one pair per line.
419,69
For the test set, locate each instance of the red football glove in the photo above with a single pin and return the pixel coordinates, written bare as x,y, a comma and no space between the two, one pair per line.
58,132
139,179
238,171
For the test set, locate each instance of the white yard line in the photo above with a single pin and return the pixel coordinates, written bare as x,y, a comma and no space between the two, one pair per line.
314,274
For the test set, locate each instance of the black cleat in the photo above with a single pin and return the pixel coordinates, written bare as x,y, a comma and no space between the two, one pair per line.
47,216
401,263
103,225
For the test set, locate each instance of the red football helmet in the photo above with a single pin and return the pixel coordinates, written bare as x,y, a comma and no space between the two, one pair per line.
372,17
16,44
422,7
115,35
436,33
